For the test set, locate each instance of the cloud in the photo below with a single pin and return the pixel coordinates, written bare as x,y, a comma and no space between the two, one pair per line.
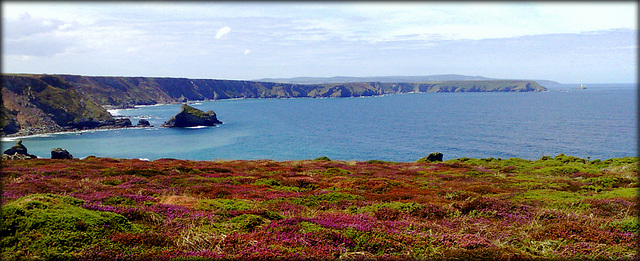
25,26
247,51
222,32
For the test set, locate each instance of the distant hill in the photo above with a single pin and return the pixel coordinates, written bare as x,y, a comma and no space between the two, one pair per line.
394,79
35,103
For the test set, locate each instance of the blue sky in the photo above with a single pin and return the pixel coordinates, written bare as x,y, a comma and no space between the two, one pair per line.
569,42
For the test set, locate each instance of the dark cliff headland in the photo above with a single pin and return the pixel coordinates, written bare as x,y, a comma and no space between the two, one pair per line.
40,103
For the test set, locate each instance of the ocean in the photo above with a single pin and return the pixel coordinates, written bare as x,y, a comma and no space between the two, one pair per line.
599,122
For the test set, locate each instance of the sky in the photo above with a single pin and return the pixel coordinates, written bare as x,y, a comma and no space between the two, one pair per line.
568,42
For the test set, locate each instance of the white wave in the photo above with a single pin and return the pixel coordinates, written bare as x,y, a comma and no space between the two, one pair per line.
143,106
197,127
44,135
143,159
115,112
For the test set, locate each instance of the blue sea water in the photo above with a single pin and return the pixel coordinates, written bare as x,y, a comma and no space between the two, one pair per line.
599,122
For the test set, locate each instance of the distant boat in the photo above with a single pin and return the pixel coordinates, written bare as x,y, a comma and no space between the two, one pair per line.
581,87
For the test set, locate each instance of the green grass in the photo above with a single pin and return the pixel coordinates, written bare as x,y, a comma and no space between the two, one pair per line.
47,226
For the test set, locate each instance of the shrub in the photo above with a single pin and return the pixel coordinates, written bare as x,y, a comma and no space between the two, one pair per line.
569,159
499,207
611,207
224,204
53,227
387,214
248,222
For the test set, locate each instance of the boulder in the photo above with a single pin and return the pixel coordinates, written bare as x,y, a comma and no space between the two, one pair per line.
432,157
18,156
123,122
435,156
191,117
18,151
60,153
143,123
18,148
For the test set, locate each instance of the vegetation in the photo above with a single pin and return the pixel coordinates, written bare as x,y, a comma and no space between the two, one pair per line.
554,208
47,103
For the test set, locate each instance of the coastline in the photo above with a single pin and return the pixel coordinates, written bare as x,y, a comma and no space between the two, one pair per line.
17,136
110,109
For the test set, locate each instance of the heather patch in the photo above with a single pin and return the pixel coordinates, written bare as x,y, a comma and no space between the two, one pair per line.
553,208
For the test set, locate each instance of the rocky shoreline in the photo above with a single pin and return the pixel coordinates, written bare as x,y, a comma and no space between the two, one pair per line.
15,136
187,117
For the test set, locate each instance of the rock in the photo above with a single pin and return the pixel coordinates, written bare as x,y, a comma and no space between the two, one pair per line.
18,156
432,157
143,123
17,152
435,156
60,153
191,117
123,122
12,126
18,148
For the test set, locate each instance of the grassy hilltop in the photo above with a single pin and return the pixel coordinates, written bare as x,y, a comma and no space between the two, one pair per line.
555,208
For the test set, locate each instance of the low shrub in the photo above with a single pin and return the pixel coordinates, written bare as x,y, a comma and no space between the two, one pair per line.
54,227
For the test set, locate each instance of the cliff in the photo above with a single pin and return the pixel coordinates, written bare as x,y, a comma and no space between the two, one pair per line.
130,91
47,104
34,103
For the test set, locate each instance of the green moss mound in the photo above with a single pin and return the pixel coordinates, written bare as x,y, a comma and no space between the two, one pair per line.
53,227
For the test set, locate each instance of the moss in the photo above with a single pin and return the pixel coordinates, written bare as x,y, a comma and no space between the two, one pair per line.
266,182
220,204
54,227
248,222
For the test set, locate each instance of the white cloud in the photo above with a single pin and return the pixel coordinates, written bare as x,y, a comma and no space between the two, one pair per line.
378,37
222,32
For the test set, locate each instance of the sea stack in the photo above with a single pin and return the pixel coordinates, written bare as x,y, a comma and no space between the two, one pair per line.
191,117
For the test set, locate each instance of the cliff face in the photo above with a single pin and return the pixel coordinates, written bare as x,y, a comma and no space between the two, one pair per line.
129,91
46,103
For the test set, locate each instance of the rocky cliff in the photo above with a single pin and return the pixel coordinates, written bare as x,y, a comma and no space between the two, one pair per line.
47,104
34,103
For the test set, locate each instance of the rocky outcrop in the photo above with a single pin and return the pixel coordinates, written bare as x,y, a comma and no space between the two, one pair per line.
60,153
123,123
435,156
46,103
432,157
18,151
143,123
191,117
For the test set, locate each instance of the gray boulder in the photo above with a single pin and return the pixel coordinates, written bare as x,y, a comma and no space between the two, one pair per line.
123,122
18,148
60,153
435,156
432,157
143,123
18,151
